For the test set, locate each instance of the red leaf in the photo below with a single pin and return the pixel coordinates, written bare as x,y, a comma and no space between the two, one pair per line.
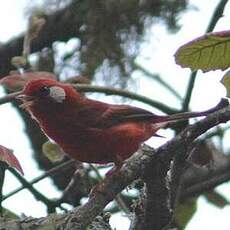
16,81
7,156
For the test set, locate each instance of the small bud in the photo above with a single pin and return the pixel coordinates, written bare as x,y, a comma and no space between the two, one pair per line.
52,151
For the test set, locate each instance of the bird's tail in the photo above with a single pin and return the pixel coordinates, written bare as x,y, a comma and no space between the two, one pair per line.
186,115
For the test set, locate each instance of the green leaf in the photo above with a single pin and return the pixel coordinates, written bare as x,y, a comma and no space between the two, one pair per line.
208,52
226,82
185,211
216,199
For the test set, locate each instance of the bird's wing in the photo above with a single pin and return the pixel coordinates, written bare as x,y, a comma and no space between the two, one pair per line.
122,113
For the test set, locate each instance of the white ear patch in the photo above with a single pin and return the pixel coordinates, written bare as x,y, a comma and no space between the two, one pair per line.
57,93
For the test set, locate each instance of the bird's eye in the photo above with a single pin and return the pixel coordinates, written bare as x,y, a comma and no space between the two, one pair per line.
44,91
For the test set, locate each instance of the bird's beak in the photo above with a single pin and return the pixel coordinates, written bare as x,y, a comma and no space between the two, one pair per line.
26,99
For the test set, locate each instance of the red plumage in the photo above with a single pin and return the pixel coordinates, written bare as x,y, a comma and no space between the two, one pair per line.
89,130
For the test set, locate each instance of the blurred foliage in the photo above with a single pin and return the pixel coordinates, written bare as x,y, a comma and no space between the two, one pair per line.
110,34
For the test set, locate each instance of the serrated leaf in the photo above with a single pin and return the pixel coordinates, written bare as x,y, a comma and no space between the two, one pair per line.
7,156
208,52
185,211
216,199
226,82
52,151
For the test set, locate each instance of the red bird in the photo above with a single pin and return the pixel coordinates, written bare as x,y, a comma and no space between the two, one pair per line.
89,130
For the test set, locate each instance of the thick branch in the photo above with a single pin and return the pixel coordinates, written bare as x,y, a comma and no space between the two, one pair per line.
205,180
136,166
157,212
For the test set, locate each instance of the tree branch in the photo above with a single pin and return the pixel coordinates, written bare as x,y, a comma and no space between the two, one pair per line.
51,205
157,212
108,91
207,180
136,165
52,171
158,79
82,216
124,93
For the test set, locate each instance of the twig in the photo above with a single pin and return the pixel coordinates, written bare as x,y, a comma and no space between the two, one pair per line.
9,97
218,13
157,78
39,196
125,93
43,176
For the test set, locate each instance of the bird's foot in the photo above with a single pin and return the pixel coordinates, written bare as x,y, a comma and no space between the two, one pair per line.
112,171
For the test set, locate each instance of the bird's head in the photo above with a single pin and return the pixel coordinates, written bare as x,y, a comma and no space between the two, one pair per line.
47,91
